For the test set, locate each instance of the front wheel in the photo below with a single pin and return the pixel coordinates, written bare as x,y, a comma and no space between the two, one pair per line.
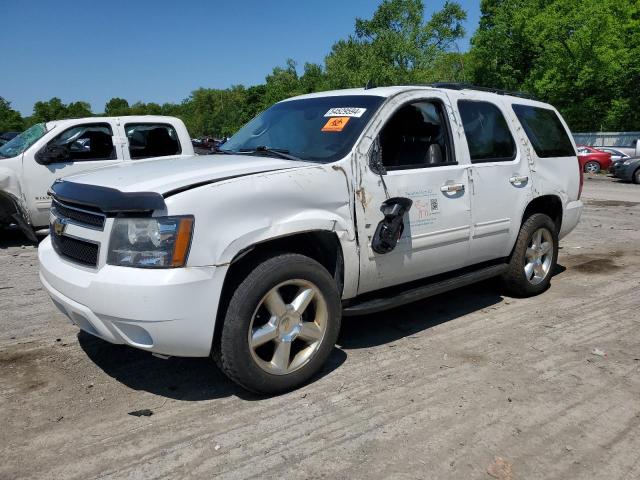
534,257
281,324
592,167
636,176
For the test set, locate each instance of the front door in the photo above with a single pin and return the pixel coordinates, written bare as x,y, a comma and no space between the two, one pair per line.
418,153
78,148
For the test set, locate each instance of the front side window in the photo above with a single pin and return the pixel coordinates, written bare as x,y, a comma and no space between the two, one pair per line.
85,142
24,140
321,129
545,132
416,136
487,132
152,140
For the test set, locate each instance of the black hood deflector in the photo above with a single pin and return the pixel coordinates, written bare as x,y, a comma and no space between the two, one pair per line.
108,200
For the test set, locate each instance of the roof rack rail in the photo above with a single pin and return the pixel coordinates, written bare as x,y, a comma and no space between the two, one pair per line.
468,86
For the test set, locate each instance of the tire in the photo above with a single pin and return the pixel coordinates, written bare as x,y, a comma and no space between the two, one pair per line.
636,176
530,270
266,345
592,167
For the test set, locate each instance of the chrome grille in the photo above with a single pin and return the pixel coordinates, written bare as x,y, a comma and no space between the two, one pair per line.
79,216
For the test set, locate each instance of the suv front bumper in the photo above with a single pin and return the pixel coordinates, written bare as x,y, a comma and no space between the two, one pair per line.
166,311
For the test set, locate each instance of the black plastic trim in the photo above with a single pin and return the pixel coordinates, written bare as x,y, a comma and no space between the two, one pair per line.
412,292
108,200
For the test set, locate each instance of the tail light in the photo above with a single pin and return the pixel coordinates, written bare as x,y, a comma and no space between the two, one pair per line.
580,169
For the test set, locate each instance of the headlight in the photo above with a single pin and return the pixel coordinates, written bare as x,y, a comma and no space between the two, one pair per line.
628,162
160,242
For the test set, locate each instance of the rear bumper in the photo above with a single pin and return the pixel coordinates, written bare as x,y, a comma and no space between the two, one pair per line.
571,217
171,312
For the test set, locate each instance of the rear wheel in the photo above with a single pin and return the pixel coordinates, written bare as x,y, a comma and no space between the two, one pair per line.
534,257
281,324
592,167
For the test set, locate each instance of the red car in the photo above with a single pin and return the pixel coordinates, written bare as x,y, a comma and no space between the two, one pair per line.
593,160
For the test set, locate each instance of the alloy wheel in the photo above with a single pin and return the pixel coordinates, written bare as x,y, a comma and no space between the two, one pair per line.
539,256
288,326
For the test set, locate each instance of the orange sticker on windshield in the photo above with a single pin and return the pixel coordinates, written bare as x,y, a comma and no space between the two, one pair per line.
335,124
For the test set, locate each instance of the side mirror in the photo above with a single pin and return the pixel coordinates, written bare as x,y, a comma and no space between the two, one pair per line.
53,154
390,228
375,158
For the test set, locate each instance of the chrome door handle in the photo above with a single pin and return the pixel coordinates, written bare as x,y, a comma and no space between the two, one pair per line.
452,187
519,179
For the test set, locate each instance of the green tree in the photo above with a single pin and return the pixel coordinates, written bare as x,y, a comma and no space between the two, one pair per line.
10,120
396,45
580,55
78,110
283,82
116,107
53,109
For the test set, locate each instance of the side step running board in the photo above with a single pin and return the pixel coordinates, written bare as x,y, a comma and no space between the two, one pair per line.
425,291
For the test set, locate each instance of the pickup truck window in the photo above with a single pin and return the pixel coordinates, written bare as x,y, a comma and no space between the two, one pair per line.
152,140
321,129
545,131
24,140
487,132
416,136
87,142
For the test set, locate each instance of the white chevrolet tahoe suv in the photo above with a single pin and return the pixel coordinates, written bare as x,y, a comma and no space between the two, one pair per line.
336,203
33,160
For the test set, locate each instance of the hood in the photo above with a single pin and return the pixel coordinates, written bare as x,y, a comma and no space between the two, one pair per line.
169,175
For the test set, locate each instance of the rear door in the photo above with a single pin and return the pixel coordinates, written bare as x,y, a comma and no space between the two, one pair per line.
500,176
87,146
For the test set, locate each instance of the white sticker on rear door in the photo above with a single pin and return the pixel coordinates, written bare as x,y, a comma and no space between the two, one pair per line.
346,112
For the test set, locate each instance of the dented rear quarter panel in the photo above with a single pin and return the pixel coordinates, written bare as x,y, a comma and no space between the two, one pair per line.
559,176
232,215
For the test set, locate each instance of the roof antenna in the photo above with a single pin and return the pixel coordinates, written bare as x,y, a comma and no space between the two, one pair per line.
369,85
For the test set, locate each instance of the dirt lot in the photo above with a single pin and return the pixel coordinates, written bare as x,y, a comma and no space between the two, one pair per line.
438,389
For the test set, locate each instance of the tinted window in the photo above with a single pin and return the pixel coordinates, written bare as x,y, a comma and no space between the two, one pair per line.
487,133
322,129
86,142
416,136
152,140
545,131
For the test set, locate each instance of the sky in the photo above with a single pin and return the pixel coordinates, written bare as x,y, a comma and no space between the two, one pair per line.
159,51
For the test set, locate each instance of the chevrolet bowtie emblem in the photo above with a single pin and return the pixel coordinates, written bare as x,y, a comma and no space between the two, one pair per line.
58,226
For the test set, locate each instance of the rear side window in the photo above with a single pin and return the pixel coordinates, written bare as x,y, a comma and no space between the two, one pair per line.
545,131
152,140
487,132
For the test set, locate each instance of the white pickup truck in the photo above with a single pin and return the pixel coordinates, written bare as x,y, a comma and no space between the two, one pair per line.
345,202
33,160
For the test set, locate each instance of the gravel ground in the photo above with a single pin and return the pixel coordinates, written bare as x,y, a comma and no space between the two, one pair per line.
469,384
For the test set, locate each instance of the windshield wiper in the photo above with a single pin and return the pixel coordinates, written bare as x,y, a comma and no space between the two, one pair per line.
278,152
219,150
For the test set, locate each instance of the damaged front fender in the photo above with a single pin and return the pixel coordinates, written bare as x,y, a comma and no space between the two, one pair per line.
12,208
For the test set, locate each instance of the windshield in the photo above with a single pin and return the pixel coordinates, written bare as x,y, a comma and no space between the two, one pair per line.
23,141
320,129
